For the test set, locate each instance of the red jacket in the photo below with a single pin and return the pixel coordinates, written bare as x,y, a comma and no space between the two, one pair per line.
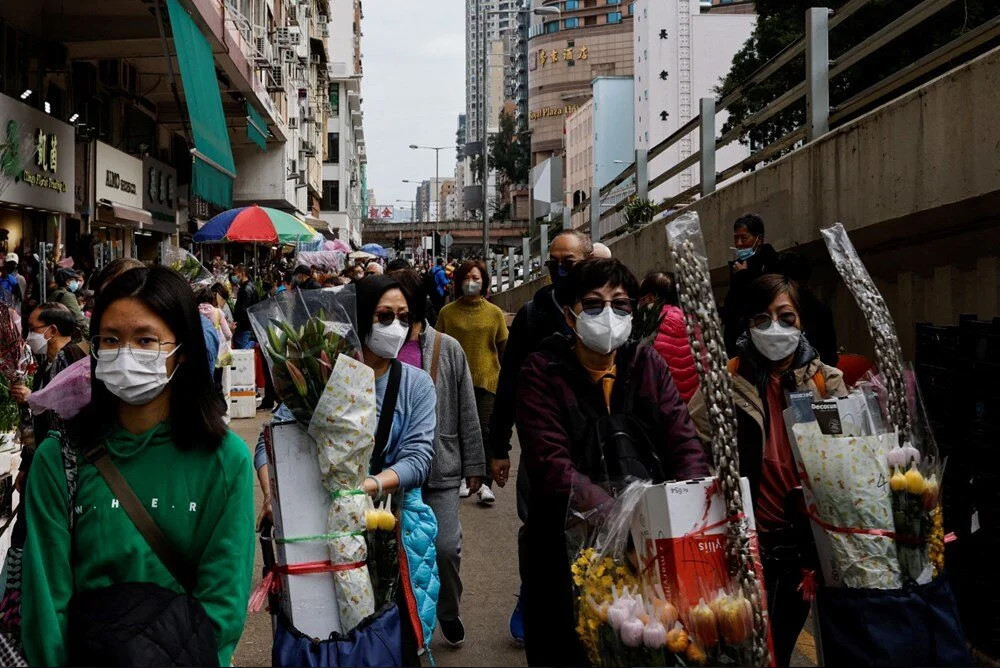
675,349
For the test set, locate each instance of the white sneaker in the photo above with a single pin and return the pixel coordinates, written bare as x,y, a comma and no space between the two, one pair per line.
463,491
486,496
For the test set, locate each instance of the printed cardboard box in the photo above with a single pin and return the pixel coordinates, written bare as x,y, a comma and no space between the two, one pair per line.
679,533
242,372
300,504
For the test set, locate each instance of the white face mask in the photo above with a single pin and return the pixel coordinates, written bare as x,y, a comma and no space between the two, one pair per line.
386,340
37,342
136,377
776,342
604,332
472,288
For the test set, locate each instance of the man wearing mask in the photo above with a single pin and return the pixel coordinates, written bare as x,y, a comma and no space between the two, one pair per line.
303,278
754,258
67,283
579,397
537,320
246,296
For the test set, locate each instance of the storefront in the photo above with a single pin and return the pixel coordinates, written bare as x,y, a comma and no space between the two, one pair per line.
159,197
36,178
119,216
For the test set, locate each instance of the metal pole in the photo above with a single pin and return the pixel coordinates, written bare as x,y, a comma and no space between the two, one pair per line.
595,214
511,274
641,174
526,257
817,72
543,251
706,138
484,83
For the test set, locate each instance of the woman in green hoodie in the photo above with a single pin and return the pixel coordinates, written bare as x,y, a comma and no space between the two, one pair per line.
153,408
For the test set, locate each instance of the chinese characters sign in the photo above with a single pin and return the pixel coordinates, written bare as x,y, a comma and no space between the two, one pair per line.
567,55
546,112
36,170
380,213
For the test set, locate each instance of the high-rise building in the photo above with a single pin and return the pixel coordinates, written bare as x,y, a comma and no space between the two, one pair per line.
480,15
517,76
681,52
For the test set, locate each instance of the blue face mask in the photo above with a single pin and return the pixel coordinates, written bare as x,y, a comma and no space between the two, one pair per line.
744,254
73,286
234,280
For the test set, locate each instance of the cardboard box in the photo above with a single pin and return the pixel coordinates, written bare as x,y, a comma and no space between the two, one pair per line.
300,504
242,407
679,535
242,371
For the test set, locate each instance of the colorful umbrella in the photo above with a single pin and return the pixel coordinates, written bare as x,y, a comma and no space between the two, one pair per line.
254,224
375,249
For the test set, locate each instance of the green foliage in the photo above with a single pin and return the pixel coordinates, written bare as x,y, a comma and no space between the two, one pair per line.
638,212
10,411
780,22
510,153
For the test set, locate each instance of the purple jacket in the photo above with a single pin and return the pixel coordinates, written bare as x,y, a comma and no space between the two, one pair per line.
557,411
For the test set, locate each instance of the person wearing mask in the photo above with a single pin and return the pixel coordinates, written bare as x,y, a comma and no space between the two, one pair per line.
222,301
68,283
154,422
303,279
402,463
577,393
773,358
246,297
12,284
373,269
481,329
534,322
439,282
458,445
754,258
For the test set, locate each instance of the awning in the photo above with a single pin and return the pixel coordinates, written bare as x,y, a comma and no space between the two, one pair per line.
161,226
141,217
213,169
257,128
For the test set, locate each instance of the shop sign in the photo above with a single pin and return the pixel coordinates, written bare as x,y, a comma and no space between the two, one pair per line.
36,158
567,55
546,112
118,176
159,189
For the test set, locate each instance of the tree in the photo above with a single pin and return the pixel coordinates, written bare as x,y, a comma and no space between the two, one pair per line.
780,22
510,156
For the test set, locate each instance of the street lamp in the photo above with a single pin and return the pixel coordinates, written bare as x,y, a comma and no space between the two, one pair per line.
437,183
537,11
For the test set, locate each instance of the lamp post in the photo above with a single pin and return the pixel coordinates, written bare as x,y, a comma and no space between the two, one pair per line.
538,11
437,185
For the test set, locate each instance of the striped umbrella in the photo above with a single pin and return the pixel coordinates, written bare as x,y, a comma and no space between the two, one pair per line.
254,224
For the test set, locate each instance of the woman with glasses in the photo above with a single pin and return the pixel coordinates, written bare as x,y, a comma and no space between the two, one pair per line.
153,426
592,409
482,330
402,462
774,359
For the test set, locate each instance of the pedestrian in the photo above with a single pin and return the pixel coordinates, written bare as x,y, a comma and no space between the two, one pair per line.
577,394
12,284
775,358
68,283
373,269
96,591
438,279
246,296
216,320
538,319
403,460
754,258
659,290
601,251
111,271
302,278
482,330
458,445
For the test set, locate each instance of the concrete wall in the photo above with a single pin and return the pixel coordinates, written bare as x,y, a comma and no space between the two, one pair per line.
917,184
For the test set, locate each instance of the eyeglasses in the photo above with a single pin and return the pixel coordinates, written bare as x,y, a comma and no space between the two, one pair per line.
107,347
556,264
594,306
385,318
762,321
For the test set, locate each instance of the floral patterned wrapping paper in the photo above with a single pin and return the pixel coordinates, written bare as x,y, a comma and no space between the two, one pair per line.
848,483
343,427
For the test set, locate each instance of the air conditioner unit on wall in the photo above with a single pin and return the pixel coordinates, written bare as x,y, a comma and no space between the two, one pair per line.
282,36
293,123
288,56
324,29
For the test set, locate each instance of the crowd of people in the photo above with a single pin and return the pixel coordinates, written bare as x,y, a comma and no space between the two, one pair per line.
594,372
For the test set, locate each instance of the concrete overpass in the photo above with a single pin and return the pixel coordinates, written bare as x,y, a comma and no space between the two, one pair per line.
917,184
467,234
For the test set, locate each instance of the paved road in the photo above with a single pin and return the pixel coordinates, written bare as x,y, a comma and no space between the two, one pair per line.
489,570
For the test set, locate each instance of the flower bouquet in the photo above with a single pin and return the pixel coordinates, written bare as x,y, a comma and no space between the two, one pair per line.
187,265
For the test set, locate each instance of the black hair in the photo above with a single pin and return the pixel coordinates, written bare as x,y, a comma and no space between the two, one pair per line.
661,285
397,264
753,223
596,273
440,261
204,296
302,270
765,289
794,266
369,291
463,272
113,270
195,410
64,276
52,313
414,291
221,290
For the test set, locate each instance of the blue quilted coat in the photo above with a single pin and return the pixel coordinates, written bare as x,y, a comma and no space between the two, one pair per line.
421,582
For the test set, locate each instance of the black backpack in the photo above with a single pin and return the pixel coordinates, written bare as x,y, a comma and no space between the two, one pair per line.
136,623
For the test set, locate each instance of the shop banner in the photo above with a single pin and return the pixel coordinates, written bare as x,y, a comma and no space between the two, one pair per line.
36,158
159,189
118,177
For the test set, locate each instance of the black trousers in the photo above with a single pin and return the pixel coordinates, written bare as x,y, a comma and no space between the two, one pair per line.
784,555
484,406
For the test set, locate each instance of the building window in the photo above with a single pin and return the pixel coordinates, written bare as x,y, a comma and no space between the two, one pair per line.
551,27
572,23
333,147
335,100
331,196
614,2
571,4
614,17
631,8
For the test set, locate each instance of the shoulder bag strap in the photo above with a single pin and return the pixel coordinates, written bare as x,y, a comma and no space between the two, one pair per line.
141,518
384,428
435,357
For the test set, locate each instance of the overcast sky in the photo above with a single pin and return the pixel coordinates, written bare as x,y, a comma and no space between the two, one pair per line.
413,90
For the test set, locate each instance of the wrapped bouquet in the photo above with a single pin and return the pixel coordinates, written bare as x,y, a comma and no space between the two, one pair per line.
187,265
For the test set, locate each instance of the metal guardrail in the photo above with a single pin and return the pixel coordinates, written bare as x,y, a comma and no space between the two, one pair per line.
819,71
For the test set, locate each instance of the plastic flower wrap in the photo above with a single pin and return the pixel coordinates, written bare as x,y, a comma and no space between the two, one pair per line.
187,265
67,393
